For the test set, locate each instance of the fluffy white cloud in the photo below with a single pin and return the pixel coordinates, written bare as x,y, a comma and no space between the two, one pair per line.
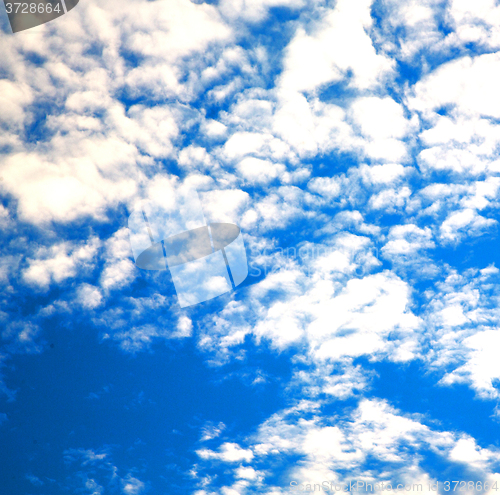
21,336
481,367
380,118
462,323
324,302
407,239
132,486
89,296
345,451
468,83
74,187
339,42
89,162
384,174
467,219
13,100
224,205
98,474
314,304
255,170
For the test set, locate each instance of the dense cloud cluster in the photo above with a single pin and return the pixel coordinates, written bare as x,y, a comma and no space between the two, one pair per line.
363,132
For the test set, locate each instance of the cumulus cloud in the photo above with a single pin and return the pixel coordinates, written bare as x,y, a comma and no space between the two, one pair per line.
119,270
314,139
59,262
98,474
316,304
212,431
132,486
462,319
89,161
228,452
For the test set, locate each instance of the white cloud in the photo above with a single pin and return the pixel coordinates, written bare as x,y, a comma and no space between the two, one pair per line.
346,451
119,270
467,83
339,42
384,174
257,10
86,456
382,122
482,367
255,170
184,326
89,162
136,338
461,144
331,51
59,262
213,128
132,486
247,473
225,205
467,451
193,157
358,321
34,480
419,19
312,127
326,186
228,452
341,382
150,129
462,323
98,474
173,29
14,98
245,143
407,240
464,220
279,208
118,274
380,118
89,296
75,186
312,300
390,200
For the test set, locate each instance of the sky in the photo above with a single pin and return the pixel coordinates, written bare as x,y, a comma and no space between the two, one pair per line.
356,144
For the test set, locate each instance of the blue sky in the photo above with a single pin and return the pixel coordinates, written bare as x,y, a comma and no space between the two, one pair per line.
355,143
